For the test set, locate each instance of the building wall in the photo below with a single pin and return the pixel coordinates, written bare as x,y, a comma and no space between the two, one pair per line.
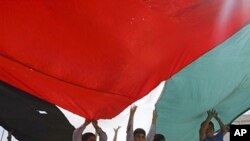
243,119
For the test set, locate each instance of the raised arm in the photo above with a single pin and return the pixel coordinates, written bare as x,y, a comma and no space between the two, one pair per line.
130,135
116,132
9,135
77,134
223,127
103,136
204,125
151,133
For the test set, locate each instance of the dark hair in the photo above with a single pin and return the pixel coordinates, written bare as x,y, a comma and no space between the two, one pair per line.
210,123
139,131
159,137
85,136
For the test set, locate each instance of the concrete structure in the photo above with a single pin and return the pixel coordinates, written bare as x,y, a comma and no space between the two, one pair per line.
243,119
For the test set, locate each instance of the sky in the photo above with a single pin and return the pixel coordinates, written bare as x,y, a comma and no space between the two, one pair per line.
142,118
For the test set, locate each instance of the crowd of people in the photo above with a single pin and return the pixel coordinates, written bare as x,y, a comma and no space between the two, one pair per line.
206,132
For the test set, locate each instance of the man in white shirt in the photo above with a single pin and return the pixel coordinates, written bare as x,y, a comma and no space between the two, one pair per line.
139,134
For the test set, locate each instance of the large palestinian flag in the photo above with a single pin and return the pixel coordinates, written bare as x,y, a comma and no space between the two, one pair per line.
94,58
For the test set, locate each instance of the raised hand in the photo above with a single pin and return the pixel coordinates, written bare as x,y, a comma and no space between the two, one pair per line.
154,117
133,109
116,129
95,124
86,122
212,113
116,132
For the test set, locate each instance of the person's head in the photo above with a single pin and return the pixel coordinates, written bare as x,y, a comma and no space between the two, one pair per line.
159,137
210,129
139,134
88,137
